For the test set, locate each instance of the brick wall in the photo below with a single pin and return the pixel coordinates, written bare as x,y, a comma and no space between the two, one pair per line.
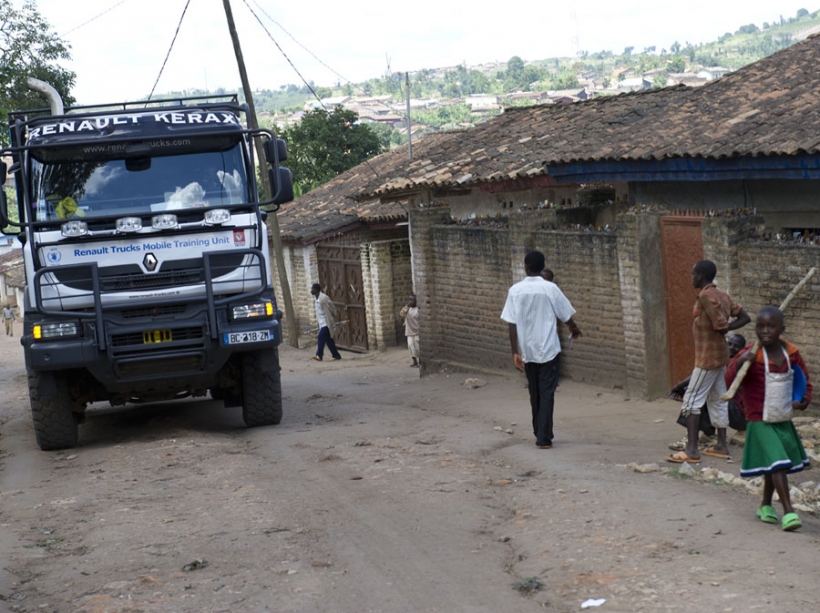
722,237
422,222
387,284
768,272
302,271
586,269
640,272
471,273
464,273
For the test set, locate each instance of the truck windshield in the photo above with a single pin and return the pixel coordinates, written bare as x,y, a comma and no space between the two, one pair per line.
138,186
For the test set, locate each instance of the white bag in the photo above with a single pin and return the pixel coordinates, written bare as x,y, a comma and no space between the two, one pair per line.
777,403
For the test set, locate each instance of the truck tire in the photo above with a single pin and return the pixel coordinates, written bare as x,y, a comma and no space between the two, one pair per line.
261,388
54,424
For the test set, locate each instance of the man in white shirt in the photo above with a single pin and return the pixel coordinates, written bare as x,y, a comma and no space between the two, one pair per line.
532,311
326,318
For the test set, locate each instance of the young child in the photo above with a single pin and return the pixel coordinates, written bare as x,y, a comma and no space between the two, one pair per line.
771,449
736,342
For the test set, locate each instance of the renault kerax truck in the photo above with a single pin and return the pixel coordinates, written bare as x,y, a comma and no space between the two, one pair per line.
146,258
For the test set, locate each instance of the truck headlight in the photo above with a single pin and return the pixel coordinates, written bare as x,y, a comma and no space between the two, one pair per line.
215,217
74,228
61,329
250,311
166,221
129,224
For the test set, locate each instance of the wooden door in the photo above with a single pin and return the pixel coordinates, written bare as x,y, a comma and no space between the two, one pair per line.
682,246
340,275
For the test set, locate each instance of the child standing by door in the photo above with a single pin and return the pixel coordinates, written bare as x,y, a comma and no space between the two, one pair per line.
770,390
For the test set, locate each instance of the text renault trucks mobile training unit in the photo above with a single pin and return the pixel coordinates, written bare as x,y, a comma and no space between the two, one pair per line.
146,257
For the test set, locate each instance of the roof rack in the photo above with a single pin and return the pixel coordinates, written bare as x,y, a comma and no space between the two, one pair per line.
124,106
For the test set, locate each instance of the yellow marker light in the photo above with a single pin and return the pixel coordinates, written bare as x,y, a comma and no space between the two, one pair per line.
269,308
38,332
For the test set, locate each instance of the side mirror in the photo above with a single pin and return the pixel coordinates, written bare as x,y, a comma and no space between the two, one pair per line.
281,184
4,207
276,150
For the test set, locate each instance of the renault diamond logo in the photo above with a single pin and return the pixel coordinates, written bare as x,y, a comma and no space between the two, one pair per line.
150,262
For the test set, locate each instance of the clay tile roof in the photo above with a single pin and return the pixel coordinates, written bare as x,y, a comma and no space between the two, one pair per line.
331,206
771,107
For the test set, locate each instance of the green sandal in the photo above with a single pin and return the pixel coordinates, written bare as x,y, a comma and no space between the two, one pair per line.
791,522
767,514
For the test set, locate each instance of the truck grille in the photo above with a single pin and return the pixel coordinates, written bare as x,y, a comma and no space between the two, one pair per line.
139,280
177,334
130,277
162,366
153,311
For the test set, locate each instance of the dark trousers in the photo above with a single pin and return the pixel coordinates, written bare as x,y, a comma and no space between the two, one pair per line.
326,339
542,379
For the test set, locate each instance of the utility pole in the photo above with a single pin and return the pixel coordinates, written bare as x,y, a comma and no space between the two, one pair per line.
276,239
409,140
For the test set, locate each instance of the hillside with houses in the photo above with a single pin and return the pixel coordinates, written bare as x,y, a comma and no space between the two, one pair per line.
454,97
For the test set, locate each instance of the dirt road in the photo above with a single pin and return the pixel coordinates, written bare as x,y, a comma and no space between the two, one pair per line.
380,492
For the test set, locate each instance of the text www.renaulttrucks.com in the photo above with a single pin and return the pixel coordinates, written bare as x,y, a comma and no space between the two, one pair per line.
146,257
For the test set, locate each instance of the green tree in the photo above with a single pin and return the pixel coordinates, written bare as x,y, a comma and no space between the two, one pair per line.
748,29
802,13
325,144
677,64
28,48
515,69
388,136
565,80
530,75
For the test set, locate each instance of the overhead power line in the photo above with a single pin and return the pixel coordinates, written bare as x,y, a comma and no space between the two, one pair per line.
285,55
296,70
313,55
85,23
167,55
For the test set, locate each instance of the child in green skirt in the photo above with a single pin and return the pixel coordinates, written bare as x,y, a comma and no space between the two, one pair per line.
772,449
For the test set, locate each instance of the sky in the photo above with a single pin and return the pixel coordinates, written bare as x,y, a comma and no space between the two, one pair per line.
119,46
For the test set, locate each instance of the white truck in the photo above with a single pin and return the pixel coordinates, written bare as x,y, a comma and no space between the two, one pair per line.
146,258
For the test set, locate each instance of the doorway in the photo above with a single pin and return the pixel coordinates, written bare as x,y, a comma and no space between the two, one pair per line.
682,247
340,275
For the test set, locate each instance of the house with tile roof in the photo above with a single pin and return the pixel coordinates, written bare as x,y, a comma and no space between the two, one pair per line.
737,157
12,278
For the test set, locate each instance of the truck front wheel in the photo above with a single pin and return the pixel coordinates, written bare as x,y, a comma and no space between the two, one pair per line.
51,409
261,388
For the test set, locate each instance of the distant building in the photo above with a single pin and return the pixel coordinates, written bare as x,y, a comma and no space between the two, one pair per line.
568,95
685,78
482,102
712,73
633,84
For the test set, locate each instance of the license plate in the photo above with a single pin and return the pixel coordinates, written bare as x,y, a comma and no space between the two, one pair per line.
157,336
238,338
